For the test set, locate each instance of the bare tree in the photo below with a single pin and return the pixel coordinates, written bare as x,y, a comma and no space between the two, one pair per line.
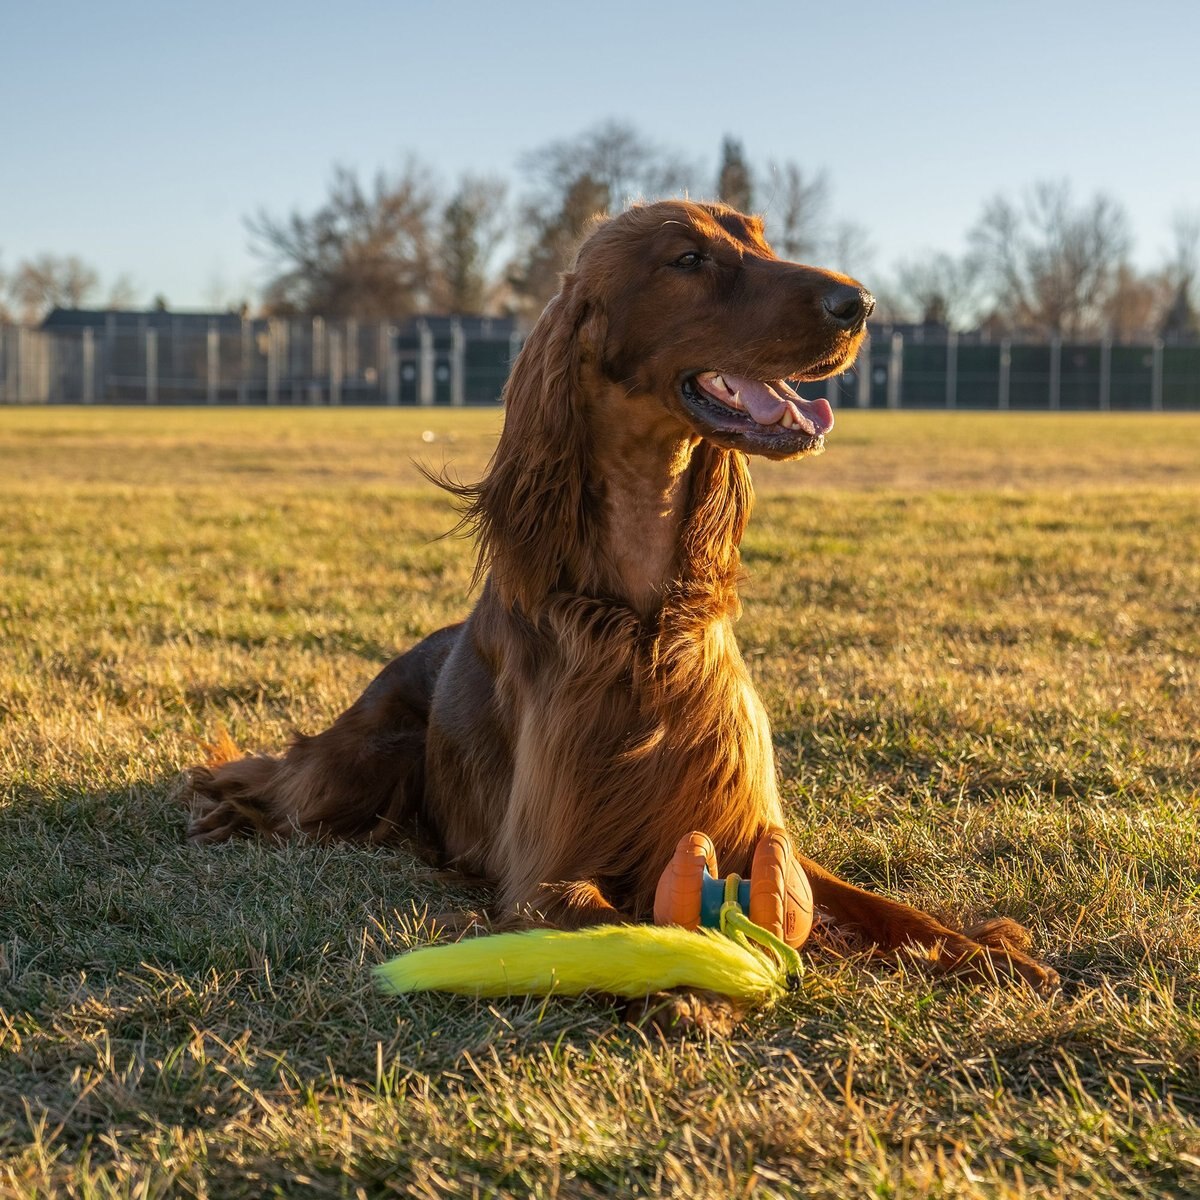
1179,320
366,252
795,207
554,239
848,249
938,289
1051,266
50,281
217,294
1136,303
615,156
121,294
1183,264
735,182
570,182
473,223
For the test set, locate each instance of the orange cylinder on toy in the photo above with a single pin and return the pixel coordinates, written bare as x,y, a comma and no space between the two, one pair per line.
777,895
680,886
780,896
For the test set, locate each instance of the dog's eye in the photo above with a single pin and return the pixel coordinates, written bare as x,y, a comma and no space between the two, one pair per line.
686,262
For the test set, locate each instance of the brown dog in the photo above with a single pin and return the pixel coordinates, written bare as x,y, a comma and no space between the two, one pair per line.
594,706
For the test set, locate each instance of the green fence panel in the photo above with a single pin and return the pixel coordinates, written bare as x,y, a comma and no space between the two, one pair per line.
1029,377
1181,377
1080,377
978,376
923,380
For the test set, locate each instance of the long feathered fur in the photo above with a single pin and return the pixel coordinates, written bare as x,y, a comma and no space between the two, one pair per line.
532,513
594,707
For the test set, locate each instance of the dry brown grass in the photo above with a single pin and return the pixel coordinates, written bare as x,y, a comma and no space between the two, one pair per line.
978,639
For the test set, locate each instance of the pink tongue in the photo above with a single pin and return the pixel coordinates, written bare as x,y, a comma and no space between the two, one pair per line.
766,402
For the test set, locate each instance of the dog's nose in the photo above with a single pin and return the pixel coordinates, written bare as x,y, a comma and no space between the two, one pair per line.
847,305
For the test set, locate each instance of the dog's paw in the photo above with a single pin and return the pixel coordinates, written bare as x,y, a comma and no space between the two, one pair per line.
1002,962
1001,933
682,1013
1006,944
213,816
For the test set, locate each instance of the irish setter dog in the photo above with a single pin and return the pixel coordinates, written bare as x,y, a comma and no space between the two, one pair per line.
594,706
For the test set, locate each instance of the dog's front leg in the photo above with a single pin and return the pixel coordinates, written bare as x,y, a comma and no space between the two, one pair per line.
568,905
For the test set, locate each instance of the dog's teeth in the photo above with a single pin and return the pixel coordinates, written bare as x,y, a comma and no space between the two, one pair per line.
736,401
787,420
719,381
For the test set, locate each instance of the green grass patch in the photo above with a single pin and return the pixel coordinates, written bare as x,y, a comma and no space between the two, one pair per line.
977,637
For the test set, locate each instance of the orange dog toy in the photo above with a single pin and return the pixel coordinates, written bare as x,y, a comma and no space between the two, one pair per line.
776,897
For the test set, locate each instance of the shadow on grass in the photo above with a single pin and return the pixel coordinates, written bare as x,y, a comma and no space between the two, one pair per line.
154,984
101,878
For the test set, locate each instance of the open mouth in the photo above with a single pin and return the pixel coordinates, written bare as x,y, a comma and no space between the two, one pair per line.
760,410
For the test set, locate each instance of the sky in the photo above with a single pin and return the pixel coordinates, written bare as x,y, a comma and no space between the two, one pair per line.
142,135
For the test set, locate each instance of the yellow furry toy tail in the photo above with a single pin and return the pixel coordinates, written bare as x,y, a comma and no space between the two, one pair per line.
622,960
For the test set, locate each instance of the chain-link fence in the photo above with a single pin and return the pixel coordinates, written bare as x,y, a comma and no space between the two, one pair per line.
163,358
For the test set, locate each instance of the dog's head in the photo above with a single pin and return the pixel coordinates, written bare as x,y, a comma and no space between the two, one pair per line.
689,306
677,325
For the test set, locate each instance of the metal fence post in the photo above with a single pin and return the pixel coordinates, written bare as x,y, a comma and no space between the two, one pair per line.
244,376
50,357
458,363
290,370
425,364
381,360
9,383
151,366
109,357
952,369
89,366
284,358
895,371
1056,372
272,362
351,357
1106,374
25,366
21,359
863,367
212,362
392,367
335,367
1156,376
1005,372
316,392
45,351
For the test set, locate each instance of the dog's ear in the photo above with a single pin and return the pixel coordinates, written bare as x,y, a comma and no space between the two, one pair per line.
533,510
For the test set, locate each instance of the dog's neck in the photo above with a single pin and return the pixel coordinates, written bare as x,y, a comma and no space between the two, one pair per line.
653,477
644,486
611,498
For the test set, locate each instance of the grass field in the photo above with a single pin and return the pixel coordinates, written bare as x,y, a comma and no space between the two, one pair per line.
978,637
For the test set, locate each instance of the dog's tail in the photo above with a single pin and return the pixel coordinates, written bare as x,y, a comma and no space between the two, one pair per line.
363,778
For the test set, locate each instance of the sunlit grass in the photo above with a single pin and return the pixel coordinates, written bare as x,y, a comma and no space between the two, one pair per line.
977,637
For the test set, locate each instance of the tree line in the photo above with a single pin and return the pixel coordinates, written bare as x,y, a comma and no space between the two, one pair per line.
402,242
